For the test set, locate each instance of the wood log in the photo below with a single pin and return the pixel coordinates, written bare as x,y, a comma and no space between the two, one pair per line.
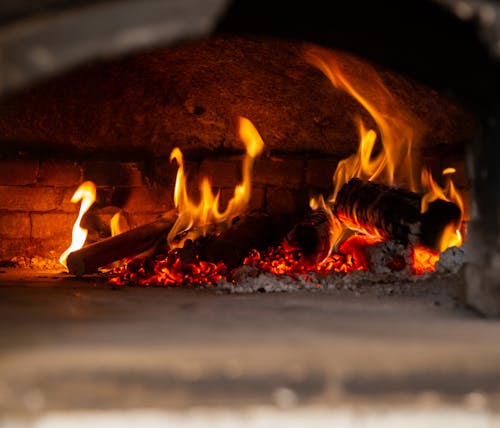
255,230
311,236
132,243
379,210
376,210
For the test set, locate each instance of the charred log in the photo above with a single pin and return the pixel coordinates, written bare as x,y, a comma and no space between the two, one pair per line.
376,210
255,230
132,243
379,210
311,236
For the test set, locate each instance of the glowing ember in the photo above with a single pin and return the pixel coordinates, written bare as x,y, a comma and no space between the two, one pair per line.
167,271
424,260
86,193
277,260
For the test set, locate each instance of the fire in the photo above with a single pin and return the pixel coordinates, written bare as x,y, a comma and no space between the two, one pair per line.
385,155
86,193
451,235
197,218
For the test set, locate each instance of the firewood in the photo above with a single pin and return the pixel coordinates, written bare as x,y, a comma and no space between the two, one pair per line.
311,236
379,210
132,243
254,230
376,210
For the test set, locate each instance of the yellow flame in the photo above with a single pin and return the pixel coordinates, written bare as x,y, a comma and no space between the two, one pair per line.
399,130
451,235
86,193
199,217
115,224
385,155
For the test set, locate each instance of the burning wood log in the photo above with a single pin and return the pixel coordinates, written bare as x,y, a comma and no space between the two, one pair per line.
311,236
136,241
379,210
255,230
376,210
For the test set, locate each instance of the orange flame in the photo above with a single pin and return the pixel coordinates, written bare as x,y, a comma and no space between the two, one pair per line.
389,159
198,218
114,224
451,235
86,193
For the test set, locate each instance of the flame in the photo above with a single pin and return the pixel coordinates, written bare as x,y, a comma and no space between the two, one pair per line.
385,155
424,259
114,224
200,217
451,235
399,130
86,193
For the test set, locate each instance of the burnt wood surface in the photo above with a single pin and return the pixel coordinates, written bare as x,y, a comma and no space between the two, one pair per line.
311,236
188,96
376,210
128,244
392,213
254,230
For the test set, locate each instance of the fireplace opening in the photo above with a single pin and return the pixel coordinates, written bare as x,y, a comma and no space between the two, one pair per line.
114,123
345,158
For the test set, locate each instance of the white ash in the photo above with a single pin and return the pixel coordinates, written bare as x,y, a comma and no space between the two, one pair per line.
451,260
383,257
250,279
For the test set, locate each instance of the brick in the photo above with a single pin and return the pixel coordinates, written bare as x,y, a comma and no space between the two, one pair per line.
50,225
319,172
138,219
60,173
221,173
107,173
98,221
21,198
66,205
18,172
14,248
257,198
15,225
281,201
149,199
278,172
164,172
51,248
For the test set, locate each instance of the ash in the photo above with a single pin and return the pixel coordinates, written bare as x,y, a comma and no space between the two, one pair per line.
382,280
452,259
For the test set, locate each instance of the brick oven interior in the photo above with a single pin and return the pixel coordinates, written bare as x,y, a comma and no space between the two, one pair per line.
76,348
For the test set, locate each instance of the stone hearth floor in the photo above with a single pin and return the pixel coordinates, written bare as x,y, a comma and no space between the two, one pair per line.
80,347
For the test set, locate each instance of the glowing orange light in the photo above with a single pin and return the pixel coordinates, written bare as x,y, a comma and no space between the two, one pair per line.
197,218
389,159
451,235
86,193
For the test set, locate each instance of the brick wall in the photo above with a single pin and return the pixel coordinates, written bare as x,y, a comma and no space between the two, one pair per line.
36,215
